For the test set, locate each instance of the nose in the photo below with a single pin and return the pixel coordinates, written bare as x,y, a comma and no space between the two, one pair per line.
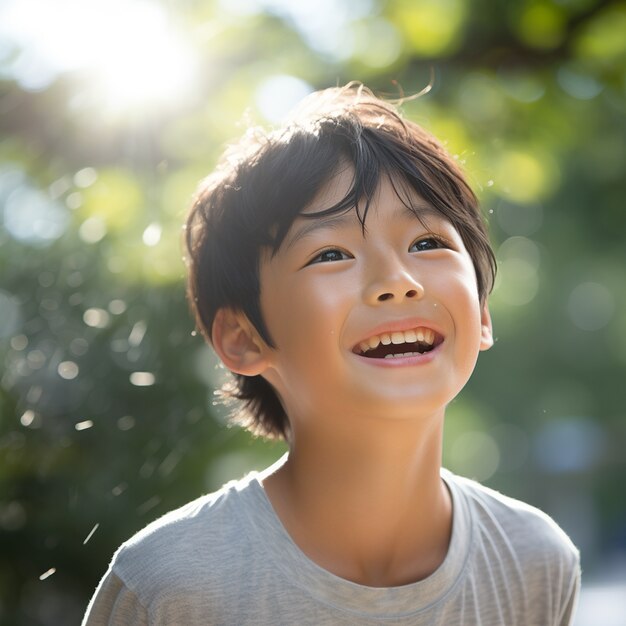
392,284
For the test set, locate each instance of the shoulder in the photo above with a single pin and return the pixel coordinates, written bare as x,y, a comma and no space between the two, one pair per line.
188,546
518,558
524,531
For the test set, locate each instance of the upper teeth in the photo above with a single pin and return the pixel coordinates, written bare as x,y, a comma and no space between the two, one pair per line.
423,335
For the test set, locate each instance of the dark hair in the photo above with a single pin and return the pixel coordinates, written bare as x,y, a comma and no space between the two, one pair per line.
264,183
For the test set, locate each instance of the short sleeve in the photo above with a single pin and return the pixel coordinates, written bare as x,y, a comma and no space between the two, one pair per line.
114,604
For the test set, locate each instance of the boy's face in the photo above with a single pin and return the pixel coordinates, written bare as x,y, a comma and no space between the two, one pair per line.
337,303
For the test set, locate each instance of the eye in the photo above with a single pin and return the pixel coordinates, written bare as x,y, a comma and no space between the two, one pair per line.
330,256
426,243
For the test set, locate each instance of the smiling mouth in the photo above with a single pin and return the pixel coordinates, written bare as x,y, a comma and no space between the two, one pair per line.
397,344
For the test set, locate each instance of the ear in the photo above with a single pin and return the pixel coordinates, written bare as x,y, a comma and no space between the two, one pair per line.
238,343
486,328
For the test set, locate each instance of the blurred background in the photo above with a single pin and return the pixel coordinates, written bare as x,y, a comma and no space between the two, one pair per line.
111,111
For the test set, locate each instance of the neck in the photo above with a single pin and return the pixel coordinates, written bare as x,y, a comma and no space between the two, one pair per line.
370,508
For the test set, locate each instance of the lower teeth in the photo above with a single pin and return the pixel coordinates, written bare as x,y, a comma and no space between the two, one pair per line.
397,356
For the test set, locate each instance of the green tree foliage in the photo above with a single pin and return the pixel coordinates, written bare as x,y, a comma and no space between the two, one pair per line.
107,417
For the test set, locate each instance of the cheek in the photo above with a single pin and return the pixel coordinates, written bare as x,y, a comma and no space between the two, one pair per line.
300,313
465,308
460,287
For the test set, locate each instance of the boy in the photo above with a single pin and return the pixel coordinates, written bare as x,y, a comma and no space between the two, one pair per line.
340,268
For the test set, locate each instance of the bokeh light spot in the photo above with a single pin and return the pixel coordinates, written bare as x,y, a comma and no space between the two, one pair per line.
93,229
36,359
137,333
277,95
142,379
19,342
431,27
377,42
58,188
518,281
591,306
12,516
96,318
480,98
75,279
578,84
85,177
602,38
542,24
115,197
476,454
117,307
74,200
152,234
68,370
520,248
126,422
571,444
118,490
525,176
32,217
30,419
79,346
522,86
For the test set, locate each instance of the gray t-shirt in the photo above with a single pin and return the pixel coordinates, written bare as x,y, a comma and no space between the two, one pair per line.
226,559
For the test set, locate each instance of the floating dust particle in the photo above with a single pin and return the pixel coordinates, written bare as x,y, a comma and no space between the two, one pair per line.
47,574
119,489
142,509
91,532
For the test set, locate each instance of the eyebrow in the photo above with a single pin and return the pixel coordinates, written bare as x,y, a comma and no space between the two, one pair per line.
333,222
310,225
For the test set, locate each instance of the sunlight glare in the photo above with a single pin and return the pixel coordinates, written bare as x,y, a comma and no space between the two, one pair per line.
127,51
149,62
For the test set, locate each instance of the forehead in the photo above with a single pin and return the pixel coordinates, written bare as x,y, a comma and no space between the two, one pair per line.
331,207
337,195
